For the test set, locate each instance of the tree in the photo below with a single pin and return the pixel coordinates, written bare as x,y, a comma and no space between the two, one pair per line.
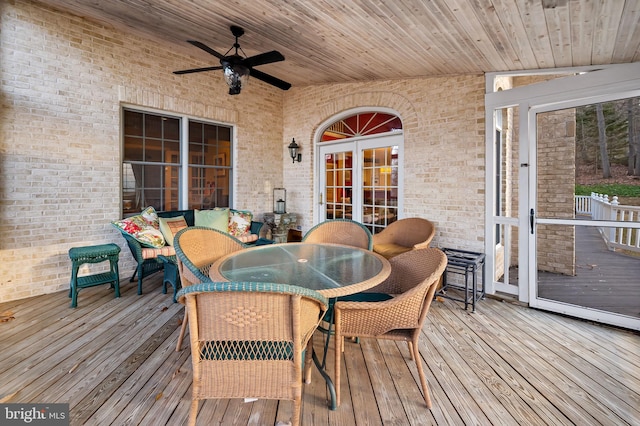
634,137
602,142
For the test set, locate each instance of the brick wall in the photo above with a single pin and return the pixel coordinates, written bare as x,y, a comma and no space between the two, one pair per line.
63,80
555,245
443,121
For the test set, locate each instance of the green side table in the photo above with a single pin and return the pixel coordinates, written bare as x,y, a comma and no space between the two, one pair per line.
93,254
171,275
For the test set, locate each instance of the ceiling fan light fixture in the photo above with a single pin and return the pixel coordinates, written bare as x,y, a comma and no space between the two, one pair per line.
236,76
236,69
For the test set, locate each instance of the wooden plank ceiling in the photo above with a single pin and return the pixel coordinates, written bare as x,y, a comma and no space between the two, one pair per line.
333,41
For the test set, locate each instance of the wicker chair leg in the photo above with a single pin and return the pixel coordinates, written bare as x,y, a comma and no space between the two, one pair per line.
140,274
297,406
339,347
183,329
308,360
411,351
423,380
193,412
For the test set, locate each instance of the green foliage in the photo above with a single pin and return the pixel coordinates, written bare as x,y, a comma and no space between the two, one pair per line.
610,189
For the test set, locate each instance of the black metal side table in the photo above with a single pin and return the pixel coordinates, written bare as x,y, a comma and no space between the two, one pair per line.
467,263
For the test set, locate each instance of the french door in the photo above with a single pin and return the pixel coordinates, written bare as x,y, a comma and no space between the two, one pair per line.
361,180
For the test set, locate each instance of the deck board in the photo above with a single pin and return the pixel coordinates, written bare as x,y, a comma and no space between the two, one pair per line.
604,280
114,360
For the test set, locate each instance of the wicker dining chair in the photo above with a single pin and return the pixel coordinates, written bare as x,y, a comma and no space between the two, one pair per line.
412,284
403,235
248,340
197,248
340,231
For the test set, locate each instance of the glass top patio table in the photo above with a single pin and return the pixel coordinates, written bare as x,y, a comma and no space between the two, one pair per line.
331,269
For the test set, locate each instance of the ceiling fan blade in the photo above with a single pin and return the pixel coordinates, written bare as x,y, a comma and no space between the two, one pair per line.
206,48
269,79
197,70
263,58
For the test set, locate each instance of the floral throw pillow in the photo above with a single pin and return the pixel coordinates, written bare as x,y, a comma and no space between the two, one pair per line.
151,216
239,222
143,227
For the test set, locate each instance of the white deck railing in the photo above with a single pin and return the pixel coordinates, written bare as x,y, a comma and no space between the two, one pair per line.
583,205
599,207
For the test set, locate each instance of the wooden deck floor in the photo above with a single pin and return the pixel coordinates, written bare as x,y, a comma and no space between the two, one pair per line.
604,280
114,361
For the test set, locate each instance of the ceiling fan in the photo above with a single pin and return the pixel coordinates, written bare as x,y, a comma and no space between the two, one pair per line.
237,68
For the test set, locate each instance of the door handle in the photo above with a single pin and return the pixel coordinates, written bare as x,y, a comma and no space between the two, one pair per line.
321,203
531,219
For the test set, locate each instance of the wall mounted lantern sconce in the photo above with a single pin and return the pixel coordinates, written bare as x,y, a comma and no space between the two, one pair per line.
293,151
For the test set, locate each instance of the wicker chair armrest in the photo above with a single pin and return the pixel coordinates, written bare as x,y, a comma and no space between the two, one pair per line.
256,227
212,286
396,300
376,318
423,244
191,272
134,246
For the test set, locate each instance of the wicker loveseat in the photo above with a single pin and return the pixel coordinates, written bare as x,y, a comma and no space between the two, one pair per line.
153,259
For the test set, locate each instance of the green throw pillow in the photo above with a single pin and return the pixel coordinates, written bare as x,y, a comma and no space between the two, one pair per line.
216,219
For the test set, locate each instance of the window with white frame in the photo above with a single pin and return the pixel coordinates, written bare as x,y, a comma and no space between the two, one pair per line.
156,151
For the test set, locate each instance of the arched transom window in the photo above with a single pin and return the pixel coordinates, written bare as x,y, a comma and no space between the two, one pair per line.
362,124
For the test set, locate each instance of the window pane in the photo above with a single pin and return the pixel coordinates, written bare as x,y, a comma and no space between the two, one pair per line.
133,123
152,126
225,146
171,129
133,150
224,134
195,132
153,151
380,190
149,181
172,152
209,157
210,134
338,185
195,153
208,188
